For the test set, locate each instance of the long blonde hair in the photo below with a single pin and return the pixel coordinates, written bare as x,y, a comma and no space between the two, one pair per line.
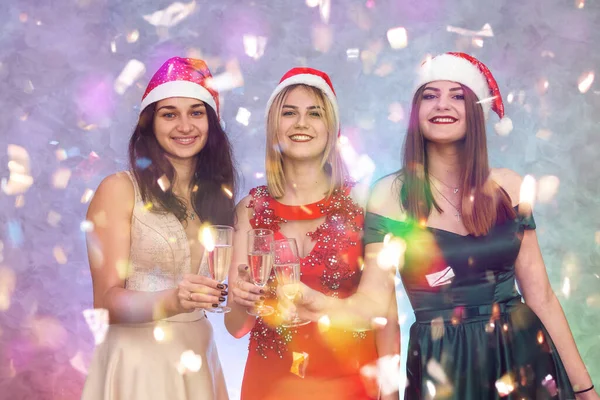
332,161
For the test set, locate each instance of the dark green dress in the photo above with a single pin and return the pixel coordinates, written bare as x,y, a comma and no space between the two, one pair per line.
473,337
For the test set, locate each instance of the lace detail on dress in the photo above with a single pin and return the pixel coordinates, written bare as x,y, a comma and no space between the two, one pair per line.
340,230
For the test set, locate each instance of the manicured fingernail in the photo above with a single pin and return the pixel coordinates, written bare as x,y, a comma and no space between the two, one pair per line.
262,291
220,286
224,293
246,268
215,305
221,298
262,298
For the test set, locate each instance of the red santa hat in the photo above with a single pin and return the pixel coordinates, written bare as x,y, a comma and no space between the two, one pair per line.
181,77
467,70
310,77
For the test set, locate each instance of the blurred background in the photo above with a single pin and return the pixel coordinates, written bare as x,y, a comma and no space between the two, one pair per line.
72,74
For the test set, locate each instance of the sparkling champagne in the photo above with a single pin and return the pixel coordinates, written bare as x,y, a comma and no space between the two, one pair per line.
288,276
260,267
218,262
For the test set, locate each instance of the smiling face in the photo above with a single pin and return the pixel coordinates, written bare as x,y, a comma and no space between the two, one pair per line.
442,114
302,128
181,126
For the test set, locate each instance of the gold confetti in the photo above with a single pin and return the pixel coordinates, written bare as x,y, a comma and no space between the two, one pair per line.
19,201
324,324
540,337
61,154
227,191
133,36
299,364
585,81
505,385
132,71
60,178
20,178
59,255
164,183
87,196
7,286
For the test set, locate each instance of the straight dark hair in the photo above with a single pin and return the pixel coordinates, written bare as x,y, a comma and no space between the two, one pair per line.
484,202
214,174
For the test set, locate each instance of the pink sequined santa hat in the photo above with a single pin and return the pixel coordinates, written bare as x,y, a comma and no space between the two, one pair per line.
467,70
181,77
309,77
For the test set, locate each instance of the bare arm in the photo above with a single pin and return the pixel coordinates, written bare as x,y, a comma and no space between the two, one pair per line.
111,210
536,289
242,294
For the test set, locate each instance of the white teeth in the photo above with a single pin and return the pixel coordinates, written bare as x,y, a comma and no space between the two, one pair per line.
443,120
184,140
300,137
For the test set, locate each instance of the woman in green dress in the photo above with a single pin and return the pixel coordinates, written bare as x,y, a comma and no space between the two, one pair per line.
463,240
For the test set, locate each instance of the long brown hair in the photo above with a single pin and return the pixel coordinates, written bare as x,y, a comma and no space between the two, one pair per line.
214,174
484,202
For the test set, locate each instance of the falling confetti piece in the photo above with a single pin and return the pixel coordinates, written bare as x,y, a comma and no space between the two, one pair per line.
243,116
61,154
550,384
172,15
143,162
397,37
53,218
527,192
164,183
20,178
543,134
79,363
392,253
505,385
431,388
547,188
353,53
159,334
385,372
254,46
585,82
19,201
477,42
313,3
113,46
87,196
325,10
97,321
299,364
59,255
437,328
60,178
15,233
133,71
396,112
7,286
227,191
189,361
230,79
486,31
259,175
324,324
540,337
566,287
133,36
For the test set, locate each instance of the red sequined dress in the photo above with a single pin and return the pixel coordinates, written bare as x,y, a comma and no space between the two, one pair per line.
277,367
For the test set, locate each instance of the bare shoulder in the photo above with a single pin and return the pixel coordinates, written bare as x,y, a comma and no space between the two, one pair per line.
360,194
509,180
384,198
115,197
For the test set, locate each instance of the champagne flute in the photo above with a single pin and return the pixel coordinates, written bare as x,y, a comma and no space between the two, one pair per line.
286,263
260,261
218,241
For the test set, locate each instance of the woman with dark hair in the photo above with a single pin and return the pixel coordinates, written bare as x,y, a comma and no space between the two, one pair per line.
459,237
149,270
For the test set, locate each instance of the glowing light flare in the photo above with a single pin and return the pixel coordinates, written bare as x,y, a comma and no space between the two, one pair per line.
505,385
97,321
527,192
207,239
8,281
243,116
86,226
189,362
353,53
325,10
164,183
171,15
60,178
379,322
59,255
585,81
392,253
299,364
324,324
132,71
259,175
61,154
360,166
566,287
485,31
397,37
580,4
547,188
159,334
540,337
313,3
254,46
477,42
550,384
